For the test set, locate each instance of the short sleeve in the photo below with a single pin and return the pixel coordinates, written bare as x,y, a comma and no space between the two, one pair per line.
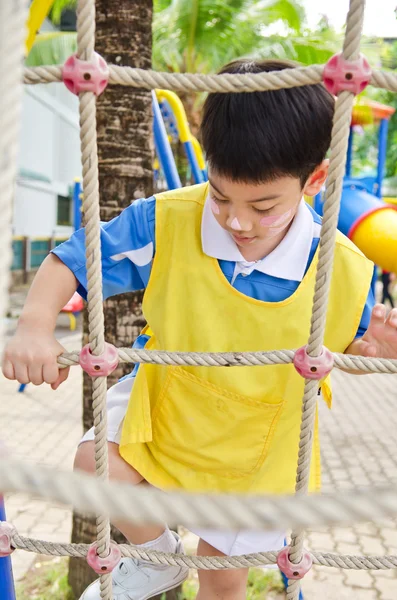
127,246
366,316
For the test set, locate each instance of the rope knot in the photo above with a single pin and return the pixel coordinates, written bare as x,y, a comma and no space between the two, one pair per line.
6,534
294,570
313,367
346,75
103,565
86,75
99,365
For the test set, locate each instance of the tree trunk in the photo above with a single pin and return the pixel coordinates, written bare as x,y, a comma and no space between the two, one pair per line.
124,123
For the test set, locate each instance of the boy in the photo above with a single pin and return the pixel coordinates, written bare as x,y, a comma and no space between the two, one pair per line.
227,266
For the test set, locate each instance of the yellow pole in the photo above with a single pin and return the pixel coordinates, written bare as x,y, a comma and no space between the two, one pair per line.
39,9
178,109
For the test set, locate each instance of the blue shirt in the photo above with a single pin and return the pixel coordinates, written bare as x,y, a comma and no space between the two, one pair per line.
128,247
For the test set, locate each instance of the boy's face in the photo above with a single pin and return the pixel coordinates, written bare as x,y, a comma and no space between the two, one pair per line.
256,214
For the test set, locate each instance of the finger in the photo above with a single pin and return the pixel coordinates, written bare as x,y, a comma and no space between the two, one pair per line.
391,319
35,373
378,314
63,375
8,369
369,350
50,372
365,348
21,373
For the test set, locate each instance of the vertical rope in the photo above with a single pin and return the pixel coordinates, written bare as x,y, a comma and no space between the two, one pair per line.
340,134
85,48
13,15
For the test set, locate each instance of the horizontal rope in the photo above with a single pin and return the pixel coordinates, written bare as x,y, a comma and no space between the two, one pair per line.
236,359
207,83
142,78
216,511
207,562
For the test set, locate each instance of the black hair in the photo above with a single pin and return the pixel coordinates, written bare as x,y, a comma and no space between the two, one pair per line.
255,137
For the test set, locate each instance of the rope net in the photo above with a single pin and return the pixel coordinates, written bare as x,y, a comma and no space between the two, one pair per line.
116,500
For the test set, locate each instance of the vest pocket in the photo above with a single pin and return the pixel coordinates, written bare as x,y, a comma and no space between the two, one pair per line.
210,429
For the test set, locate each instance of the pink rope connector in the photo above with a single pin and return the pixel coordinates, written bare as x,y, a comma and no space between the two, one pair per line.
346,75
294,570
100,365
6,532
86,75
313,367
106,564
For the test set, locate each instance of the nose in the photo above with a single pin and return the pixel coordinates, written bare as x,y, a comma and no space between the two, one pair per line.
238,224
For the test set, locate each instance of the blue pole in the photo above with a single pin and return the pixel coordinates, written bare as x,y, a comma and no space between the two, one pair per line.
349,155
77,205
163,148
382,144
191,155
7,590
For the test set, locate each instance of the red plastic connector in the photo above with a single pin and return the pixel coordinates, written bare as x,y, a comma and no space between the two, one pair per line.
346,75
293,570
6,532
313,367
106,564
86,76
100,365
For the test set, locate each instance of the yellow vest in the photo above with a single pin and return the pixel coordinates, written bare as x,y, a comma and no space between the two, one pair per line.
233,429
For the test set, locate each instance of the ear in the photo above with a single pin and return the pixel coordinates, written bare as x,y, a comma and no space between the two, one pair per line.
317,179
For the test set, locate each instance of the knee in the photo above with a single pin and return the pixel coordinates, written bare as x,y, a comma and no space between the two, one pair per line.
228,585
85,458
119,470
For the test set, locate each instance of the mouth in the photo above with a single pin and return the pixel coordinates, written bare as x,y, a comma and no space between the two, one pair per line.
241,240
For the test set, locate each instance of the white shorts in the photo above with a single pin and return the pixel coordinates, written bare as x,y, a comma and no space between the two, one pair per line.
228,542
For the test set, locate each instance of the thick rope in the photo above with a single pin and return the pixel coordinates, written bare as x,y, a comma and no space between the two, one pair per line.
236,359
137,504
87,104
350,562
12,29
338,152
188,82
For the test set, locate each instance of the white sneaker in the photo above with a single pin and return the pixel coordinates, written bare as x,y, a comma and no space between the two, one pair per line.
135,579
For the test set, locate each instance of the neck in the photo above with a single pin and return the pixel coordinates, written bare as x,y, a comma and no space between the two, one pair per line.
264,247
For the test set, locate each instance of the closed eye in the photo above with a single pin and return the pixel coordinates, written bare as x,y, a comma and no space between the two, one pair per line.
219,201
263,211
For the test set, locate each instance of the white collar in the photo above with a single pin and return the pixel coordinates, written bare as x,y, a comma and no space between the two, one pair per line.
287,261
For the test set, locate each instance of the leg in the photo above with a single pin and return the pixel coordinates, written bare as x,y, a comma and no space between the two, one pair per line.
230,584
119,470
134,579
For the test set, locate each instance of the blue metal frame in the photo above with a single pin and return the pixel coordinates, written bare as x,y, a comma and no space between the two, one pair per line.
382,146
77,204
349,154
163,148
191,156
7,589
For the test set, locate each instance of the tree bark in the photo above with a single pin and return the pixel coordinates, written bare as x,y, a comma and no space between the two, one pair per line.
124,125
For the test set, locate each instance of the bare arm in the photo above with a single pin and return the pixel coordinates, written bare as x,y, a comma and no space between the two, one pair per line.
31,355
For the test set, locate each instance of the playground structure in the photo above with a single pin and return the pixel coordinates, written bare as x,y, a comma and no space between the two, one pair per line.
125,502
368,220
170,121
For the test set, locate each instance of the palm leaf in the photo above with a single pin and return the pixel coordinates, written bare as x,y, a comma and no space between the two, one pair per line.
52,48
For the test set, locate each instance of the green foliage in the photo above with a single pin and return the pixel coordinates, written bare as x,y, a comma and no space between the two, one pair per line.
261,582
202,35
52,48
47,579
58,7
